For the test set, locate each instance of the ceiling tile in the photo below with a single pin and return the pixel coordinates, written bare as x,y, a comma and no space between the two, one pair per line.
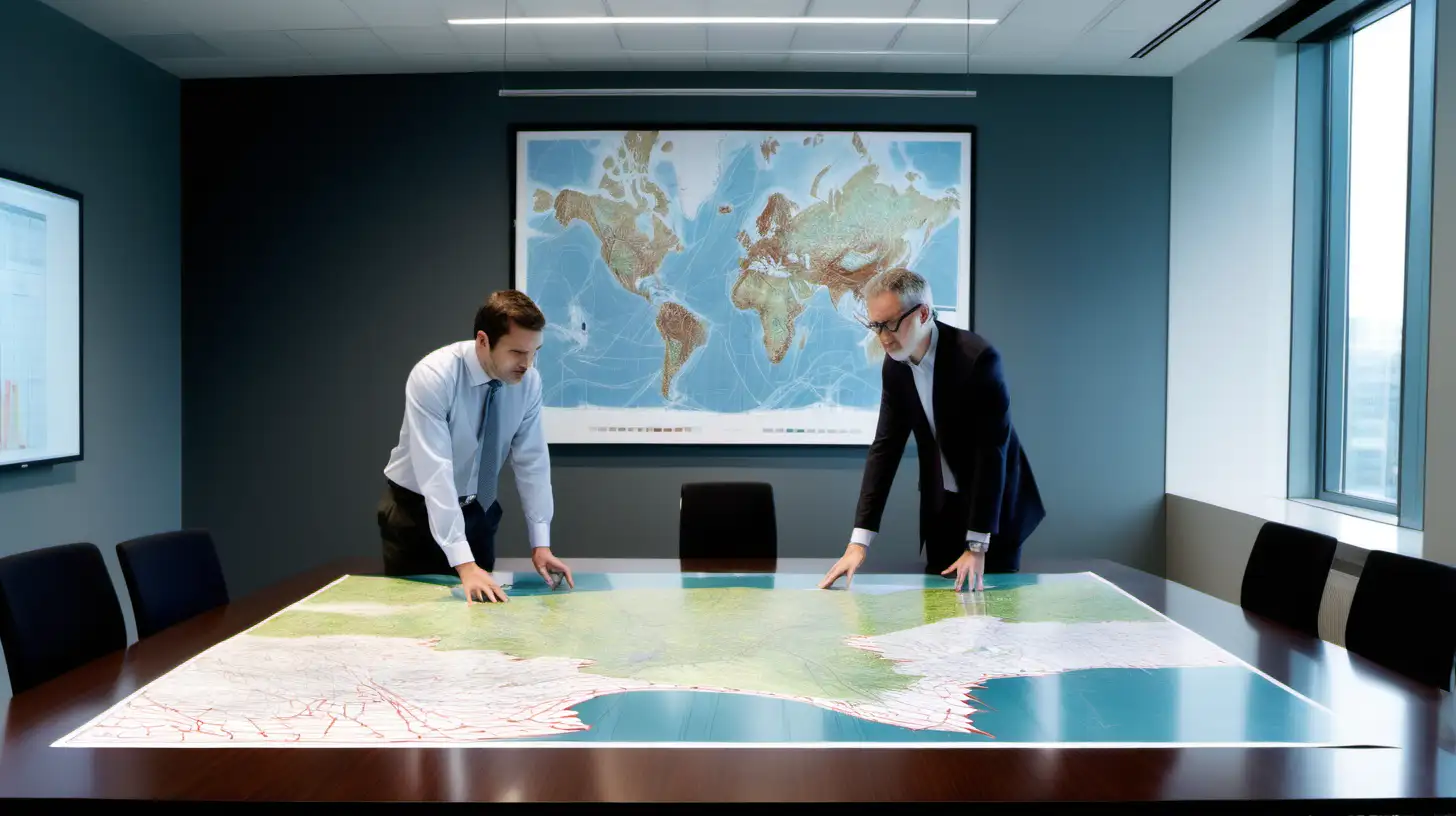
261,15
376,13
378,64
589,62
341,42
169,46
757,8
1148,16
747,62
471,9
1101,67
750,37
1005,65
844,37
528,62
669,62
495,39
120,18
446,64
1221,23
420,40
216,68
834,62
944,39
557,8
860,8
245,37
663,37
1106,45
964,9
923,64
658,8
1041,27
255,44
589,39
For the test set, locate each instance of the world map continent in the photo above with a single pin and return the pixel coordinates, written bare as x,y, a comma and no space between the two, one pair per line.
801,242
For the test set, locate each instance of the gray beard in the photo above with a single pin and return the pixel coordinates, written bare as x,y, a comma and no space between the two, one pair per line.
903,355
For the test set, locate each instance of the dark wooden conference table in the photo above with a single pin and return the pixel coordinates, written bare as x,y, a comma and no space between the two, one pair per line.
1386,707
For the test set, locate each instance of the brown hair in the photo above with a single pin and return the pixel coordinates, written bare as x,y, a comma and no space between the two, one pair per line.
506,308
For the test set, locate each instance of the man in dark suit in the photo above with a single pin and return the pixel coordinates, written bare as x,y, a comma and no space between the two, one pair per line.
978,498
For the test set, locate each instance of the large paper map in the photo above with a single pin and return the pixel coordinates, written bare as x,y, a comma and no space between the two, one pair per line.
702,286
703,659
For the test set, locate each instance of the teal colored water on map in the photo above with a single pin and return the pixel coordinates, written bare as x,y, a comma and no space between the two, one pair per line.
1205,705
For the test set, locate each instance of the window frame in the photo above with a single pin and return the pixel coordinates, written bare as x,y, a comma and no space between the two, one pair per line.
1321,272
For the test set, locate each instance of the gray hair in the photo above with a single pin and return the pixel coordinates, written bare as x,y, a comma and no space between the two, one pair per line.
909,287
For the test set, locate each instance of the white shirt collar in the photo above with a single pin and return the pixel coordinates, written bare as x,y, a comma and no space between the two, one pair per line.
472,364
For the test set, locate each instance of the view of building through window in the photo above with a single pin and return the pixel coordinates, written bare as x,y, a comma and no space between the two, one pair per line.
1379,145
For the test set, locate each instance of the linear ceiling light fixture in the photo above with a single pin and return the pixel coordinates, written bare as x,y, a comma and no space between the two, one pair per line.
878,92
795,21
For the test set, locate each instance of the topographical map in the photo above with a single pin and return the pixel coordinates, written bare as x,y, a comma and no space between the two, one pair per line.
724,660
703,285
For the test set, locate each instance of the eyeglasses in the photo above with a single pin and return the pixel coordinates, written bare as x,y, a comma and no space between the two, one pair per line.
892,325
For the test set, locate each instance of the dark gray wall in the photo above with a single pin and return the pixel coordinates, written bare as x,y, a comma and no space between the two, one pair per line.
339,228
80,111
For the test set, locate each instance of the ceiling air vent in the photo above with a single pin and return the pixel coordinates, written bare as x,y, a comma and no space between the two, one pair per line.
1175,28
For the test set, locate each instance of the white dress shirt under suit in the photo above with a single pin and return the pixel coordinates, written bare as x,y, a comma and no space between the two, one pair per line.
924,373
438,455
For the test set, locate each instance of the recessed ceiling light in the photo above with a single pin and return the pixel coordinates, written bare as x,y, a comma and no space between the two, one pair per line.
532,21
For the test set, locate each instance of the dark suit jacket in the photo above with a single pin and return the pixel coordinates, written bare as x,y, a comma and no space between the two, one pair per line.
973,417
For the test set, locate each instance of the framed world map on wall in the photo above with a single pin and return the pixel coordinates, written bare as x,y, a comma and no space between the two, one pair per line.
703,286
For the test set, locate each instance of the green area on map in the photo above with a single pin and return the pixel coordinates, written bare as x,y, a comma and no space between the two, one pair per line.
794,642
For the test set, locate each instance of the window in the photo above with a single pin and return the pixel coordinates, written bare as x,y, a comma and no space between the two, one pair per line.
1363,197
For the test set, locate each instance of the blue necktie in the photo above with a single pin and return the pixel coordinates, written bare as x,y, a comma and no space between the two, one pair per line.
487,435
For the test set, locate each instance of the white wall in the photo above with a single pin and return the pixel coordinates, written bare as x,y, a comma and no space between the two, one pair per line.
1228,367
1440,510
1231,223
1231,232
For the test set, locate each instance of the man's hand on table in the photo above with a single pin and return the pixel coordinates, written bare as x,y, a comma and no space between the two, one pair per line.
854,556
551,568
478,585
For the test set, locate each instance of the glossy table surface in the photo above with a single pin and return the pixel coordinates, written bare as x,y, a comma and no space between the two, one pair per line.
1372,706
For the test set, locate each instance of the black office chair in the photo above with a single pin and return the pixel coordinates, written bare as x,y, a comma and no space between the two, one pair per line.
58,611
171,577
1400,617
1284,579
727,520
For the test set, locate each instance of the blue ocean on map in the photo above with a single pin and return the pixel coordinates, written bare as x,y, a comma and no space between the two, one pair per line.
1091,706
604,348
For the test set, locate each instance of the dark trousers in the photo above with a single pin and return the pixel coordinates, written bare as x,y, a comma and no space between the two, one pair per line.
945,539
409,546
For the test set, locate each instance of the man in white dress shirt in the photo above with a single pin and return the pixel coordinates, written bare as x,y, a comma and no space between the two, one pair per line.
470,406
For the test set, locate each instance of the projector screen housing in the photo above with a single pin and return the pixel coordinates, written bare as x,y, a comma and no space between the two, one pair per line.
40,323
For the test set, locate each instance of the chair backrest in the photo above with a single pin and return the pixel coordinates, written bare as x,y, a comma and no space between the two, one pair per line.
1400,617
1284,578
727,520
171,577
58,611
